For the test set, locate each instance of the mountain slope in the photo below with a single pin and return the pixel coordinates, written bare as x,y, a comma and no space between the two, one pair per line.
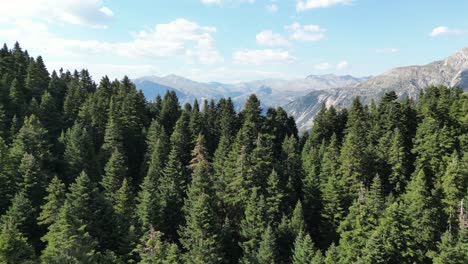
405,81
272,92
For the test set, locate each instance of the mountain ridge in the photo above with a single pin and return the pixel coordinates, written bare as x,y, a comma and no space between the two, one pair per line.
406,81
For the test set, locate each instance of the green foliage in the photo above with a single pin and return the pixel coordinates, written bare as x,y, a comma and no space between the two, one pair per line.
14,247
151,182
54,201
303,249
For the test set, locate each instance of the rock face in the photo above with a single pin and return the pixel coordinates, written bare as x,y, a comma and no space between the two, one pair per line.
271,92
405,81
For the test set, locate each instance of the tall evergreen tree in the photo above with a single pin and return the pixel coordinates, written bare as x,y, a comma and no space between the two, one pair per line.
200,235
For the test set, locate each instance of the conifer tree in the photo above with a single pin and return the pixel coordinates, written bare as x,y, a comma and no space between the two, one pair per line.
253,226
291,169
14,247
453,184
267,248
79,153
172,188
398,161
331,256
200,235
7,177
115,172
32,139
170,111
274,198
152,250
54,201
418,206
124,217
303,251
34,179
22,214
67,240
148,204
50,116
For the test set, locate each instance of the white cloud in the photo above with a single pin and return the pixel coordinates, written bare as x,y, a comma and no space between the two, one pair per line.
265,56
272,8
90,13
302,5
306,32
268,38
387,50
342,65
326,66
180,37
445,31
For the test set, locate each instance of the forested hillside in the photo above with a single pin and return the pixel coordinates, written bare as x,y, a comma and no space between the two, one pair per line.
94,173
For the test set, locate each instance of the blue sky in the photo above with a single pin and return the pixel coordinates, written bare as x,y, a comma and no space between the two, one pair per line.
235,40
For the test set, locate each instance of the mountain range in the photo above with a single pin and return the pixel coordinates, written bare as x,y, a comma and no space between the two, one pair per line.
302,98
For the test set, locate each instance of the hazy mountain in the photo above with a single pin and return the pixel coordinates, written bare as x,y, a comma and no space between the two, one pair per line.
405,81
272,92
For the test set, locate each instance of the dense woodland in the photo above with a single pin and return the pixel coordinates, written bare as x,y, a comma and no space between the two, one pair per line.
94,173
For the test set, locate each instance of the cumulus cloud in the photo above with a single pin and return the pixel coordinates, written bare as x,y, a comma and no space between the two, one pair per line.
90,13
268,38
264,56
306,32
445,31
302,5
180,37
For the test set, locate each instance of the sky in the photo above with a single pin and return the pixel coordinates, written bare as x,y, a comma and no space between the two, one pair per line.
235,40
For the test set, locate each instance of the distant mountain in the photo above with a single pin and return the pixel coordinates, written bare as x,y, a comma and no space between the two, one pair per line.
272,92
405,81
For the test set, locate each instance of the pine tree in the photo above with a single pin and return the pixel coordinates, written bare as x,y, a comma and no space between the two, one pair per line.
450,252
34,179
152,250
453,184
113,135
79,153
418,206
362,219
398,161
148,204
32,139
303,251
67,240
331,256
274,198
54,201
115,172
89,207
172,188
355,160
14,247
170,111
124,217
200,235
267,248
7,177
333,211
291,169
253,226
49,115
